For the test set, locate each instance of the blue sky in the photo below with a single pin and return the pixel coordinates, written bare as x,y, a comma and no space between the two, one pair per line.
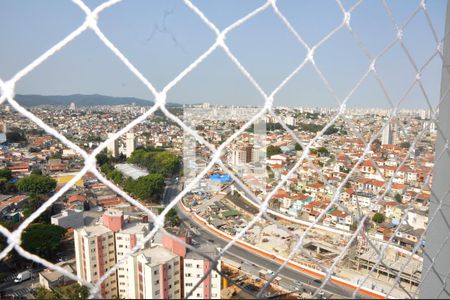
163,37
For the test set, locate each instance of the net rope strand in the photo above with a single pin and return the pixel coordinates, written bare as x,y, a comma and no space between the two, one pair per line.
7,89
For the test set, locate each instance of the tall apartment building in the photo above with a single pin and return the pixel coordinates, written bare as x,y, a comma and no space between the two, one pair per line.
165,270
95,255
113,147
130,143
240,155
387,136
154,273
99,247
195,266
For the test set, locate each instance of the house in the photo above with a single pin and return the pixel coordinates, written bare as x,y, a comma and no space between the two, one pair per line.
340,219
417,219
364,199
76,200
51,279
393,211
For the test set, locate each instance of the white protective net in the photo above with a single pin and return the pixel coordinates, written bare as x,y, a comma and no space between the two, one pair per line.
91,23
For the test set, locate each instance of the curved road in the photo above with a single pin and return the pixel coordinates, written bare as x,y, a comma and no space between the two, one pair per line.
251,258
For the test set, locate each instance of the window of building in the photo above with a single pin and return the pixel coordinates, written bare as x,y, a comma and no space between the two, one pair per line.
155,272
188,265
198,266
157,292
157,281
188,283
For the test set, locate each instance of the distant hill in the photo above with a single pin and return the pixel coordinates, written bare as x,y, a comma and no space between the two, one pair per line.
81,100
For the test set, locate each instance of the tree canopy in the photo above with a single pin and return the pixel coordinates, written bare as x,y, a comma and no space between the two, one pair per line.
159,161
36,184
378,218
73,291
273,150
6,186
5,173
146,188
43,239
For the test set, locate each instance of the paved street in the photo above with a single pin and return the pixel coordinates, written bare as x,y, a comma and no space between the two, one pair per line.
11,289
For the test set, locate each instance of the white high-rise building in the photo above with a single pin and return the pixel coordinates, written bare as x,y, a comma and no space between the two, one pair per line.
113,147
126,239
72,106
130,143
240,155
195,266
95,255
154,273
387,136
290,120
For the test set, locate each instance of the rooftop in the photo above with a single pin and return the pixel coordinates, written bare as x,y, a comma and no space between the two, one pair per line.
131,170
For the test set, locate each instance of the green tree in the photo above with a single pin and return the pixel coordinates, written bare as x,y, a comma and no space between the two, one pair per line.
57,155
298,147
378,218
323,151
36,172
5,173
273,150
43,239
73,291
41,293
405,145
331,130
36,184
106,168
15,136
398,198
146,188
102,158
172,218
156,161
115,176
9,188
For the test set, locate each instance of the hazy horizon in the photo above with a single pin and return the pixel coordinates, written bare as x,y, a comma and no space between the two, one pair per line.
161,38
